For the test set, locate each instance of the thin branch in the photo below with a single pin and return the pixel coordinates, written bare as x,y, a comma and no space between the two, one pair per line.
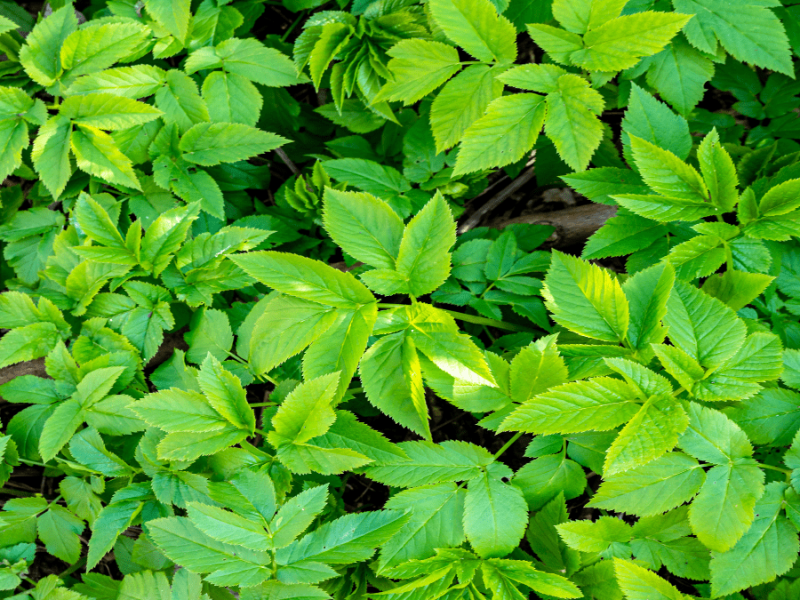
287,161
497,199
572,225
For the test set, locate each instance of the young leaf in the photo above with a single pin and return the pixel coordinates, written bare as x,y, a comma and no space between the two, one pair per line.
572,123
598,404
586,299
489,141
495,516
618,44
476,27
768,549
363,226
653,488
423,257
210,144
306,278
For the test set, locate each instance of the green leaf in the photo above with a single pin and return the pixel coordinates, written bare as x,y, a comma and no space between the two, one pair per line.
186,545
653,488
392,386
536,369
287,326
165,236
90,450
654,122
597,536
95,222
489,141
92,49
305,413
495,516
180,101
429,463
14,133
640,584
97,154
718,172
58,528
620,43
679,73
652,432
759,359
622,234
232,98
666,174
436,335
418,67
368,176
770,418
462,101
210,334
767,550
477,28
114,519
305,278
702,326
348,539
40,54
210,144
648,292
736,289
423,257
60,428
586,299
572,120
598,404
781,199
228,527
559,44
27,343
225,394
500,573
754,34
724,508
138,81
435,521
577,17
363,226
51,154
297,514
107,111
332,40
340,348
172,16
250,59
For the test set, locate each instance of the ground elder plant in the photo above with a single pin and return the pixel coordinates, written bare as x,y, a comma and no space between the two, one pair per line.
451,299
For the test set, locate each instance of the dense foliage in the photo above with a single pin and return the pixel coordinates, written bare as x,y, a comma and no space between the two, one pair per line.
246,354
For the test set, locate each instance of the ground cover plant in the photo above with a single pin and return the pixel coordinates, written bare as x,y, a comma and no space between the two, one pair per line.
453,299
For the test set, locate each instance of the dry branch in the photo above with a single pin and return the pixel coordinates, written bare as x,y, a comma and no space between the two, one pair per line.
573,225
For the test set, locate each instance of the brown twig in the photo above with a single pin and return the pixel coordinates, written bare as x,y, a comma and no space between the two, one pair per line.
287,161
497,199
573,225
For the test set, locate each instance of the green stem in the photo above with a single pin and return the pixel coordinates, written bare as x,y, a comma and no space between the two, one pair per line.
260,404
73,568
33,463
507,445
779,469
262,433
469,318
288,32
